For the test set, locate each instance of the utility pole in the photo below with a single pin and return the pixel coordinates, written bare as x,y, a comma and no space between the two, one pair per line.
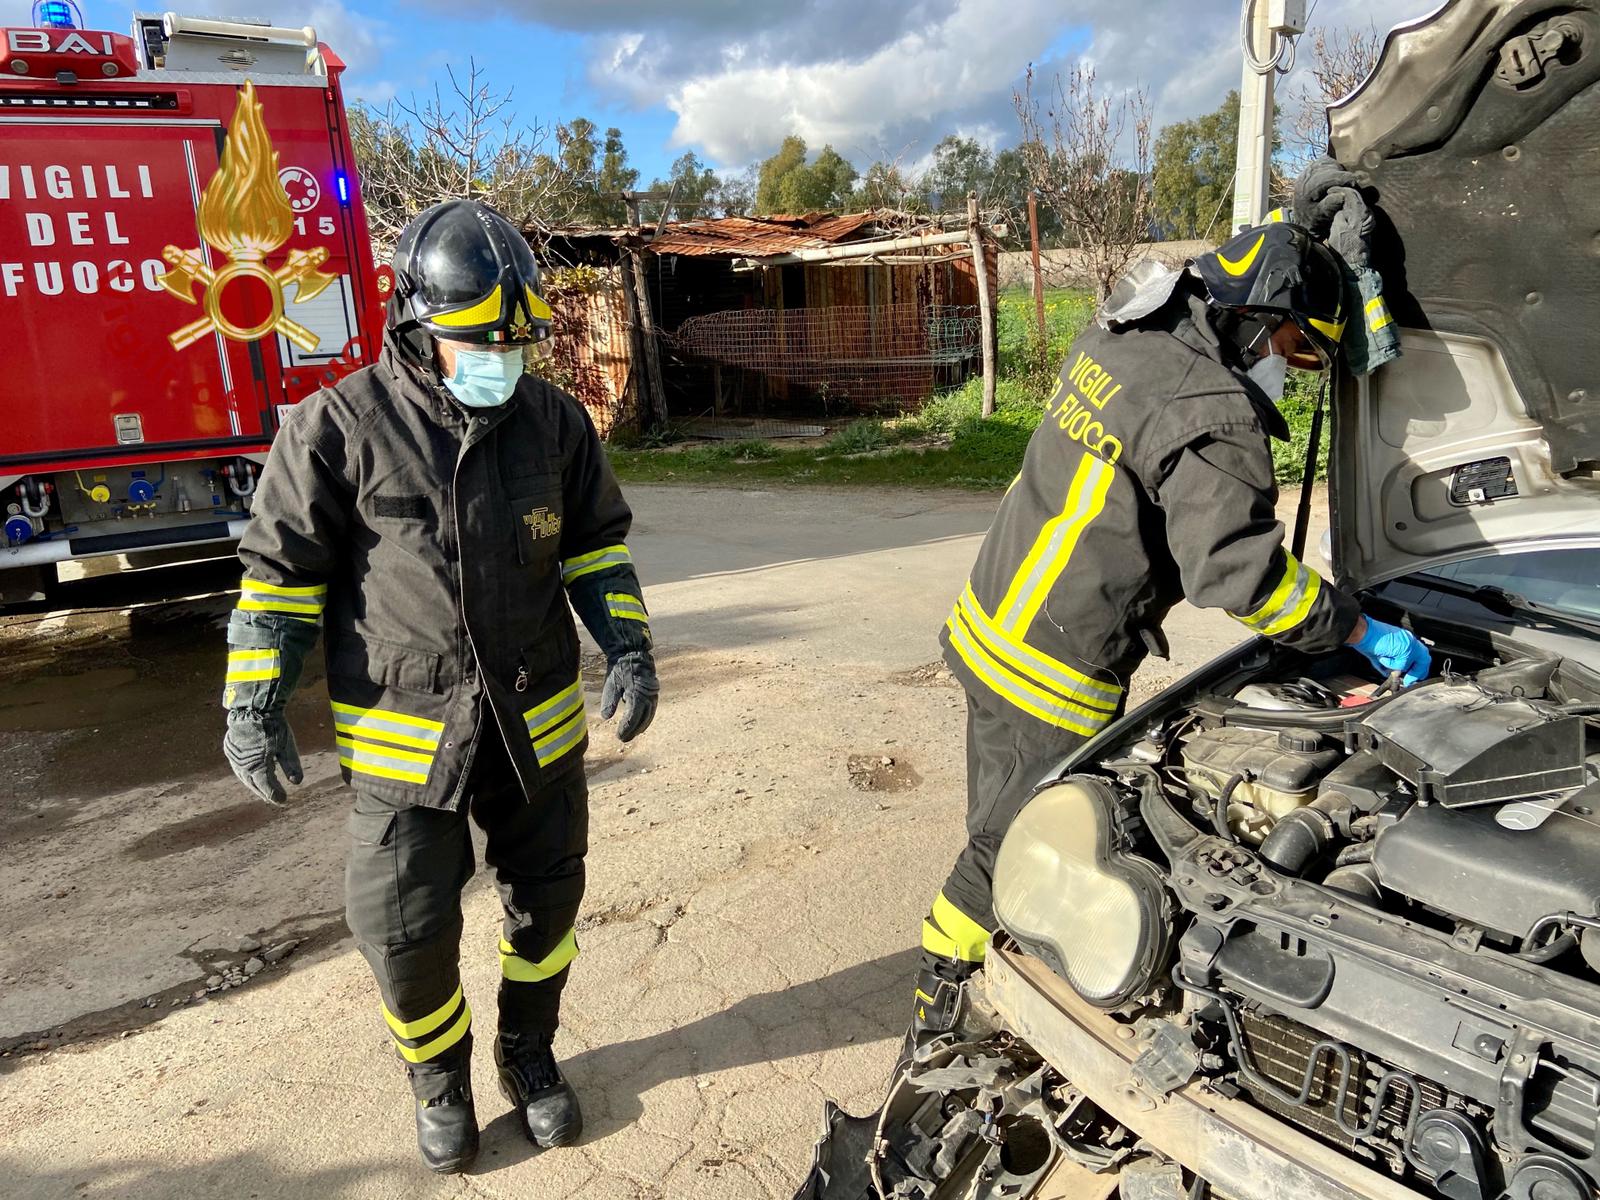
1265,29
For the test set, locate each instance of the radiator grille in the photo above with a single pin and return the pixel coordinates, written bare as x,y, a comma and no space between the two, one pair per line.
1282,1049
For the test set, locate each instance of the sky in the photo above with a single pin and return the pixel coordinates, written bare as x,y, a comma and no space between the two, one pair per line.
878,79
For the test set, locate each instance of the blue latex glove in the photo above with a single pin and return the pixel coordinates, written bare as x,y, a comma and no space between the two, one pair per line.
1390,648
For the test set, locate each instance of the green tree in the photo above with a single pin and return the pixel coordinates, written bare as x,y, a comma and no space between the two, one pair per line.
885,185
692,186
772,180
615,176
787,183
1194,172
960,165
736,194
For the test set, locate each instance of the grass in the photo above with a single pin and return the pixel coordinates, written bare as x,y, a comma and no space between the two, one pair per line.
944,443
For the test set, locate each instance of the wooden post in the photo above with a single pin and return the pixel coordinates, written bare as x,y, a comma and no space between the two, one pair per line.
657,394
986,321
1038,275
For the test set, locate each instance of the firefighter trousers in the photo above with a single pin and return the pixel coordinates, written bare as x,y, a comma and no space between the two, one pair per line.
1003,766
403,884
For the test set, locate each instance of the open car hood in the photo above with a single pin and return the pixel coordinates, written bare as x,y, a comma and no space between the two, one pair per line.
1477,136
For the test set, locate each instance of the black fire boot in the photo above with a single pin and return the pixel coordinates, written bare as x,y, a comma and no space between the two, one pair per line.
937,1006
531,1080
447,1123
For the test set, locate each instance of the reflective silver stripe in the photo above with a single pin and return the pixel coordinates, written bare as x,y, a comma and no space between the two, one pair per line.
388,726
1045,670
599,560
1015,691
554,710
562,739
1085,499
383,762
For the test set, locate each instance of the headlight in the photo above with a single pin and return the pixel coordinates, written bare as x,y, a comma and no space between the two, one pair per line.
1065,890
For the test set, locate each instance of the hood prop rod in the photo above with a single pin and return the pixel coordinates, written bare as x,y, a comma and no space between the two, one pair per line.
1302,517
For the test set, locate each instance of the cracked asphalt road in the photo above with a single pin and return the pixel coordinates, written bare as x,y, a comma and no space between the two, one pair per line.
757,878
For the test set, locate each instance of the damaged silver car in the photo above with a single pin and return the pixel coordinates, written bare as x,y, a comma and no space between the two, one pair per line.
1287,930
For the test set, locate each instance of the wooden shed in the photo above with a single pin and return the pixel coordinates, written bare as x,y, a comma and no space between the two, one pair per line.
814,316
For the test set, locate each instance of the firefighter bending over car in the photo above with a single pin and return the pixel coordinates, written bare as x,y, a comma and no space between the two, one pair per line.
1149,481
435,514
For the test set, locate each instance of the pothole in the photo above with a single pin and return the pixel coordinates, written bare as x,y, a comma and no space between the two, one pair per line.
934,674
881,773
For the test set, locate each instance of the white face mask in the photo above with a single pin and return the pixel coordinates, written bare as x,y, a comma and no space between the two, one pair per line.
1270,374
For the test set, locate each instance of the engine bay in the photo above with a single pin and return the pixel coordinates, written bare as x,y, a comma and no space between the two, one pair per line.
1386,926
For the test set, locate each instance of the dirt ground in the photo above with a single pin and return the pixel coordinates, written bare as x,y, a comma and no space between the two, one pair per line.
182,1012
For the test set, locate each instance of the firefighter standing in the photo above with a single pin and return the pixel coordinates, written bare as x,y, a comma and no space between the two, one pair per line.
1149,481
435,513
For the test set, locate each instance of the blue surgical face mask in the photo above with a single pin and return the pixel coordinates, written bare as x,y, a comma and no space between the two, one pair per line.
1271,373
485,378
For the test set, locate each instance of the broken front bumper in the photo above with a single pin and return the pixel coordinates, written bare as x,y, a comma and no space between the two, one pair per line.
1239,1149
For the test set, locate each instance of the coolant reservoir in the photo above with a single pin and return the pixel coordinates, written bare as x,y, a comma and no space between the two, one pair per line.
1281,770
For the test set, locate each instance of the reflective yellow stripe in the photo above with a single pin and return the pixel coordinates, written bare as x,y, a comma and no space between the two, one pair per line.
595,560
314,591
1275,217
970,938
1020,692
382,772
386,725
1378,314
1243,265
1035,665
563,739
345,743
253,666
441,1043
1053,548
520,970
1333,329
626,608
423,1026
924,997
554,710
537,308
1290,602
483,312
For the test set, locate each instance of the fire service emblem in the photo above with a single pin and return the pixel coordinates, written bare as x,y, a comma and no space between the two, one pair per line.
245,214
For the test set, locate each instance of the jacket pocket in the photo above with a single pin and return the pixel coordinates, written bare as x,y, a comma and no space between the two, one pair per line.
360,656
536,516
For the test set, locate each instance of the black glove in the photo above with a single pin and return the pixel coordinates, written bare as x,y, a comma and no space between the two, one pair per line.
1313,207
1350,233
256,744
632,678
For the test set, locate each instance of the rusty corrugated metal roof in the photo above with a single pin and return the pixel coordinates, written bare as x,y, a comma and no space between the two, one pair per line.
757,237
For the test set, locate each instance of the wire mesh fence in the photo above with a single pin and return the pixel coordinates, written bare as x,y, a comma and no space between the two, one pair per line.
850,357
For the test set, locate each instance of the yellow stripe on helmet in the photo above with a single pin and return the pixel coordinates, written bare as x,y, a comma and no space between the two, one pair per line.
537,308
1244,264
484,312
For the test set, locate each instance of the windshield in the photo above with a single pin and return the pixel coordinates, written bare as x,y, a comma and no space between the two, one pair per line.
1565,579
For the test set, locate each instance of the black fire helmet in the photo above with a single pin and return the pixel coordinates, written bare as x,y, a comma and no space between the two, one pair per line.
465,274
1279,269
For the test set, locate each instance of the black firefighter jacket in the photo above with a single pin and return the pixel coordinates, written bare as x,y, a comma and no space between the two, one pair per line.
439,545
1149,480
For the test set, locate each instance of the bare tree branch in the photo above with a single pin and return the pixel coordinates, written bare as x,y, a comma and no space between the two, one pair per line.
1088,156
1340,60
465,142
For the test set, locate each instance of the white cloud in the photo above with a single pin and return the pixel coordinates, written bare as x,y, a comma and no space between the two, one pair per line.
888,82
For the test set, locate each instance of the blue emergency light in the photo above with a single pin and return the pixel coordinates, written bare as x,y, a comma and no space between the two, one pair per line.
342,181
57,14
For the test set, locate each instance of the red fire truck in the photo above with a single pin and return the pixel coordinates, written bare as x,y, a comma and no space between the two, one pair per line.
183,254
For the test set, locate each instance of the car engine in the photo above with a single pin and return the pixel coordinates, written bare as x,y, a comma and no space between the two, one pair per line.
1383,912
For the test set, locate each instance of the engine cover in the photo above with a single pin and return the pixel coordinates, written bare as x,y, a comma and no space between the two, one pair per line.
1466,863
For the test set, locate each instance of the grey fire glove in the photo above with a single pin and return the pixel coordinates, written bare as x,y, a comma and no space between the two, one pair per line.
266,652
256,745
631,680
1314,203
